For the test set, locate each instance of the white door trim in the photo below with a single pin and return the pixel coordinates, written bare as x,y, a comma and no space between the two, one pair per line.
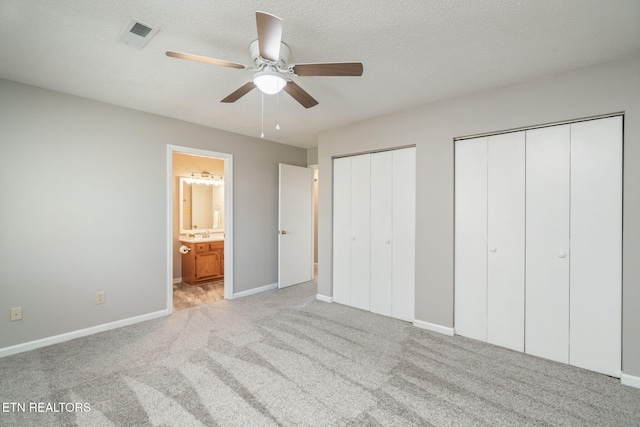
314,210
228,217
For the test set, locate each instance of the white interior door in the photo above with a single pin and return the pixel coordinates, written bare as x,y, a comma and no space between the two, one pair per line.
470,291
403,239
381,232
547,243
295,225
596,245
360,231
506,217
342,230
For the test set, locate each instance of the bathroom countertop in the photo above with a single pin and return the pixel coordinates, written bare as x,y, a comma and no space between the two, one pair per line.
198,239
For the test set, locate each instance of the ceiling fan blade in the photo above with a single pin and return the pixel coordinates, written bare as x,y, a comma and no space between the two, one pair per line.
300,95
205,59
335,69
269,35
240,92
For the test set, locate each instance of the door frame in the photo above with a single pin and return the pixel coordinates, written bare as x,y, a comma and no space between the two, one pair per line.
228,216
316,203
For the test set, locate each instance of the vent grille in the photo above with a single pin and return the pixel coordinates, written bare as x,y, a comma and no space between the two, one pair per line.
141,30
137,33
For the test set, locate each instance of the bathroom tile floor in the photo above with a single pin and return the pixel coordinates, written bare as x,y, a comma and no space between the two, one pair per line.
186,296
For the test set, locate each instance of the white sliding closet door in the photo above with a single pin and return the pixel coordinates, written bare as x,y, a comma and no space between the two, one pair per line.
403,239
374,232
360,230
547,243
470,291
489,239
596,245
538,242
393,233
342,230
381,231
505,222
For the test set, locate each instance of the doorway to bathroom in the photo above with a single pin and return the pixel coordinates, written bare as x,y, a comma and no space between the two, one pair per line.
200,195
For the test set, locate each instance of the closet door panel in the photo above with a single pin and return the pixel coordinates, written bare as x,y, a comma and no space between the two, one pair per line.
381,232
547,242
403,238
342,230
470,291
360,230
506,226
596,245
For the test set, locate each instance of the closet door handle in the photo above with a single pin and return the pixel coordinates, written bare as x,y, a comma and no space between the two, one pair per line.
562,255
493,249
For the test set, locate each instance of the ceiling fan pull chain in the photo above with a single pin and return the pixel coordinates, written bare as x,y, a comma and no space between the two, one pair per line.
278,111
262,128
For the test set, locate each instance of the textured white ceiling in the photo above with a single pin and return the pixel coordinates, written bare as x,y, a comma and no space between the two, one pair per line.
414,52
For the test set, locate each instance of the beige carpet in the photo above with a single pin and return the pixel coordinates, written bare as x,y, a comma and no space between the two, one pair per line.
282,358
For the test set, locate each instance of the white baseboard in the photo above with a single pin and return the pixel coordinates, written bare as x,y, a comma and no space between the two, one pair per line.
178,280
630,380
433,327
32,345
255,291
324,298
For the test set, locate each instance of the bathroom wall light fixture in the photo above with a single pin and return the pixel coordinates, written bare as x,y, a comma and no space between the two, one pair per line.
205,178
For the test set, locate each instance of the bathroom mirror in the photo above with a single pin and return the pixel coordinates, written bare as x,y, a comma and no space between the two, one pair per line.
201,207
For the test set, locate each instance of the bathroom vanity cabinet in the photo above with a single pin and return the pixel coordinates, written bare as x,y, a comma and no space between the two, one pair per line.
203,263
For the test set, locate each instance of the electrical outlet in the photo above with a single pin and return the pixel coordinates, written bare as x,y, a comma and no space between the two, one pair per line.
16,314
101,297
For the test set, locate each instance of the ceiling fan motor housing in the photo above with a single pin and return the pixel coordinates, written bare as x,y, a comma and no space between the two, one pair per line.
256,59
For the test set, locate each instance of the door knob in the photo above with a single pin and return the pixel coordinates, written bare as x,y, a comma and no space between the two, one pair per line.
493,249
282,232
562,255
353,238
388,241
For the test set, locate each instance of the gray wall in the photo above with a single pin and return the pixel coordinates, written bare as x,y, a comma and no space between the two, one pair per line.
83,209
607,88
312,156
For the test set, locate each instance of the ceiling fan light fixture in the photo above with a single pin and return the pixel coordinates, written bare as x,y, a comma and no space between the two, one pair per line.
269,82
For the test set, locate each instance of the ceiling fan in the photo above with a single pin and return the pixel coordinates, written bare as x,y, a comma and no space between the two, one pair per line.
270,57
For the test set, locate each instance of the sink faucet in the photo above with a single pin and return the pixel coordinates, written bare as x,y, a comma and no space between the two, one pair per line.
205,234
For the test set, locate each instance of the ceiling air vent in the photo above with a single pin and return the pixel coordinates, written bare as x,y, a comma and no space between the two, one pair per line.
137,33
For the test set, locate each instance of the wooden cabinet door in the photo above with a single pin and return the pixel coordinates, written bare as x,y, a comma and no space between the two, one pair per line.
207,265
222,262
